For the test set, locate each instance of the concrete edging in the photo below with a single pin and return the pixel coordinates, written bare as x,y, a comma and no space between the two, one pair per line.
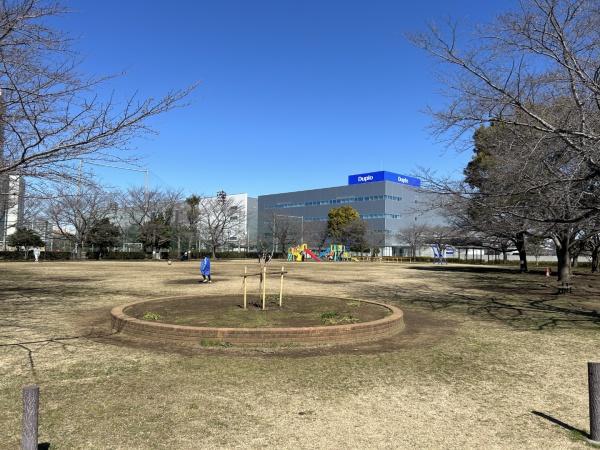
320,335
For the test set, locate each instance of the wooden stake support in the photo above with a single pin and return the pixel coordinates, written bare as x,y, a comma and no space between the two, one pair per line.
281,287
245,286
264,286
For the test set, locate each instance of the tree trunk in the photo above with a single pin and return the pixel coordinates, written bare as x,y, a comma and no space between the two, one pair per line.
504,256
595,255
520,244
563,256
214,252
574,261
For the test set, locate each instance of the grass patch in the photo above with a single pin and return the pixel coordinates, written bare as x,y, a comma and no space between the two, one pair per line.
149,315
335,318
214,343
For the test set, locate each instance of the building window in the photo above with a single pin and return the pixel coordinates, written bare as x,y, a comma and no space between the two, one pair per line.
336,201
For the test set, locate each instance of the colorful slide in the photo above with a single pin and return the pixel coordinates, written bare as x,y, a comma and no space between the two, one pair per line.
297,253
310,253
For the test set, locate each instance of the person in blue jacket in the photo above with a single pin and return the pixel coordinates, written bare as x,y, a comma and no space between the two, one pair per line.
205,270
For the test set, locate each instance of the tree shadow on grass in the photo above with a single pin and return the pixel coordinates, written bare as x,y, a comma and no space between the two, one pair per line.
478,269
536,314
193,281
46,293
576,431
523,304
313,280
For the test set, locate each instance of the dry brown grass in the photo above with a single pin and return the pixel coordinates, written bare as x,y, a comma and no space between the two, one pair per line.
482,350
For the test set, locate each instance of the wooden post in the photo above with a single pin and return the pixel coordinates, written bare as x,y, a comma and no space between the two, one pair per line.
264,286
594,392
245,281
31,405
281,288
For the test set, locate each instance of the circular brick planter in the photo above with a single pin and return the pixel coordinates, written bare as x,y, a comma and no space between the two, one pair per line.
319,335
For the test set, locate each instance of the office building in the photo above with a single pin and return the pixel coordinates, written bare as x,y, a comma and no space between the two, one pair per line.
387,201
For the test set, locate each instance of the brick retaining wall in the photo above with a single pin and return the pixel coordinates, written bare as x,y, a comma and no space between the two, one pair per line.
321,335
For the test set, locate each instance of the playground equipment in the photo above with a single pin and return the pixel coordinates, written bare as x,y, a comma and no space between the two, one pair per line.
335,252
297,253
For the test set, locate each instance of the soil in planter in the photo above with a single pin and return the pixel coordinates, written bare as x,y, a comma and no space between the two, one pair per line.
227,311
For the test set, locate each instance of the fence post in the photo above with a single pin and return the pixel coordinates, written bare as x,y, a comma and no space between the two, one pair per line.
31,404
594,392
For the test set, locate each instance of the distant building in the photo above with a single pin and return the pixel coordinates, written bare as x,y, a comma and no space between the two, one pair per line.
243,238
387,201
12,198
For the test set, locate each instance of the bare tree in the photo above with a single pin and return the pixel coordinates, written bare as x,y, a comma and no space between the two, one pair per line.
285,231
593,246
74,211
34,211
414,237
486,223
521,68
152,214
50,114
441,237
499,244
535,73
221,219
316,233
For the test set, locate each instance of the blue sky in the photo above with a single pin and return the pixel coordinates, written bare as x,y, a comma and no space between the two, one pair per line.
293,94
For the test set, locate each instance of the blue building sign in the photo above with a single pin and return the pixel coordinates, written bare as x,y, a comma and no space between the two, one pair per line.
373,177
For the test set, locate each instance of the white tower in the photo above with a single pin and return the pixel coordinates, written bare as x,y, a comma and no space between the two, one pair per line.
12,190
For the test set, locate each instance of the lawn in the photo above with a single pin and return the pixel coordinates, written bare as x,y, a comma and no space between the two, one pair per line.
489,358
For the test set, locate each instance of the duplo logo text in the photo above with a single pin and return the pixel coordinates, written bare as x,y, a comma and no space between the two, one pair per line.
367,178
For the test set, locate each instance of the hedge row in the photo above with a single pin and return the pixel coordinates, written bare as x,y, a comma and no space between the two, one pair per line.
219,255
44,256
120,256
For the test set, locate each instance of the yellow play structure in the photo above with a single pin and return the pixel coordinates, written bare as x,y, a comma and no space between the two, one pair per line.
296,253
334,252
